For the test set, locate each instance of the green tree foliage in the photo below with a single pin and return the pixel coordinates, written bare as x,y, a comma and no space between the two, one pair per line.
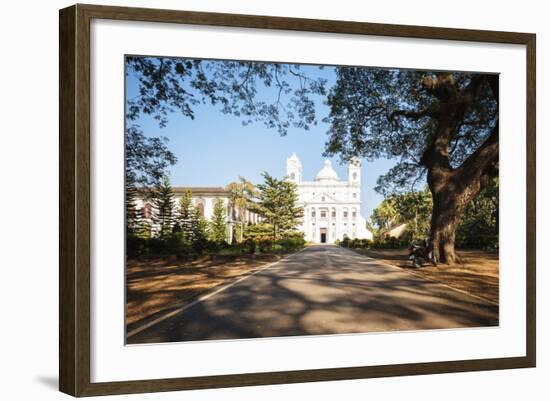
147,160
133,215
144,230
242,194
385,216
258,230
218,224
163,209
442,125
278,204
186,217
200,231
167,85
479,225
412,208
415,209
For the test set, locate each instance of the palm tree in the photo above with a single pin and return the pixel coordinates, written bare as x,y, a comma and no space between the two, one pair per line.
241,193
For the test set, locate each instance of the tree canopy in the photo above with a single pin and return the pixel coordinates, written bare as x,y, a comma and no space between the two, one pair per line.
168,85
394,114
439,126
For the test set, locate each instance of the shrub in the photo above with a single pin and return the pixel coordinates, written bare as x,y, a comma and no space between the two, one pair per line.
345,242
356,243
248,246
277,248
156,246
388,243
135,246
266,245
200,245
291,243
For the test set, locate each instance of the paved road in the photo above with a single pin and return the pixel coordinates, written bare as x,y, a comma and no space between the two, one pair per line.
323,290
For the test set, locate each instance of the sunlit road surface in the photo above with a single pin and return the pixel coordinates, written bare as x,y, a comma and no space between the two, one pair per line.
323,289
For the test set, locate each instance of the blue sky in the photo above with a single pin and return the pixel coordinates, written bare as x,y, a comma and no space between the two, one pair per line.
215,149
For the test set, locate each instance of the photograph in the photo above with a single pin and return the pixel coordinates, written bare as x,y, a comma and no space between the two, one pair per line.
272,199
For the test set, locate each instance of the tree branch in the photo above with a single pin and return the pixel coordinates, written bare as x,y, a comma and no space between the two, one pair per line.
412,114
486,155
472,89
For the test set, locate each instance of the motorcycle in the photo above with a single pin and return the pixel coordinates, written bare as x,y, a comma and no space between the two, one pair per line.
419,253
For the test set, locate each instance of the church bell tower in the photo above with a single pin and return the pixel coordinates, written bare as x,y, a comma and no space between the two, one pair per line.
294,169
354,171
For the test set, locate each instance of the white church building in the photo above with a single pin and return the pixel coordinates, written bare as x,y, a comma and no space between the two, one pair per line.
331,206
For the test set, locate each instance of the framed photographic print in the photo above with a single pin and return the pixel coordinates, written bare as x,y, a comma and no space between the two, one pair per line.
250,200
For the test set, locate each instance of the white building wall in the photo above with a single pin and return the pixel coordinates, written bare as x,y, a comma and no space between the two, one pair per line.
325,195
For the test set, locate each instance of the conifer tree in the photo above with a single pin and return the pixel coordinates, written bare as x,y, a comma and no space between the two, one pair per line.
163,214
144,230
186,216
218,222
133,216
278,204
200,231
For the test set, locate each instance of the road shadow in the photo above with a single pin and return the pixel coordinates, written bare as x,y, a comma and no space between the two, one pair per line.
324,290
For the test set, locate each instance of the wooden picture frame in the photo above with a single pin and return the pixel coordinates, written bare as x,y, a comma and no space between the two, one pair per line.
74,204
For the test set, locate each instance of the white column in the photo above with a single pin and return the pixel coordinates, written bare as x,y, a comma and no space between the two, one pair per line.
329,229
316,236
350,227
305,223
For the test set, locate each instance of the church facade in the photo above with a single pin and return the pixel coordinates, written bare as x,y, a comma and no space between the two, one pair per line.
332,207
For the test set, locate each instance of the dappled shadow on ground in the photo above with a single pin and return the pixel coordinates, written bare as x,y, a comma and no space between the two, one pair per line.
323,290
154,287
478,272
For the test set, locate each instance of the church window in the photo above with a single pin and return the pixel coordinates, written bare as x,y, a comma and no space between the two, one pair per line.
323,199
333,213
345,213
323,214
292,176
354,195
146,211
200,206
354,176
354,214
313,213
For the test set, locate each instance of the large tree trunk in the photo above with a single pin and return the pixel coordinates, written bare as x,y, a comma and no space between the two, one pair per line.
448,207
453,188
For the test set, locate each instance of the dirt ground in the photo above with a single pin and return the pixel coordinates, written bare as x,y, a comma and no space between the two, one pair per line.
156,286
477,274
